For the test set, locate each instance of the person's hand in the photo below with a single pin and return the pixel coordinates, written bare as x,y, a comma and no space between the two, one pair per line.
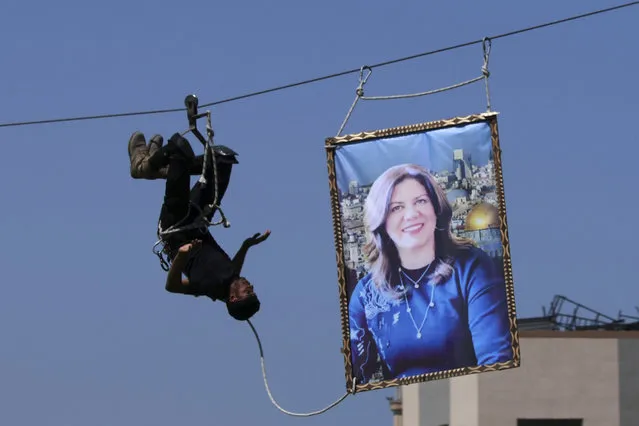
188,247
257,238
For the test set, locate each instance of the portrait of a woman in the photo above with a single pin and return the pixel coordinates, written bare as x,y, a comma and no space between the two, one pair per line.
430,301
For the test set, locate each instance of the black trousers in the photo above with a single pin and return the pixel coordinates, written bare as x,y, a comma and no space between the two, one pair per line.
179,196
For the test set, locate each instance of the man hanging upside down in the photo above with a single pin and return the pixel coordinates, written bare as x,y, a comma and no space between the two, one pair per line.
195,253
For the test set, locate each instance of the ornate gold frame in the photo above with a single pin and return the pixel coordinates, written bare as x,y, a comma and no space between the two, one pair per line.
333,143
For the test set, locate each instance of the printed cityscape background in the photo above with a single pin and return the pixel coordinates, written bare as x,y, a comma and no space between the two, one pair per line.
471,191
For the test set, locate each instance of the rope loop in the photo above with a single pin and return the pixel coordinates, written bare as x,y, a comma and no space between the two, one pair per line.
268,391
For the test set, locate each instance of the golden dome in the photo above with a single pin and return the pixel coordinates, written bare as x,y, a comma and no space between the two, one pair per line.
482,216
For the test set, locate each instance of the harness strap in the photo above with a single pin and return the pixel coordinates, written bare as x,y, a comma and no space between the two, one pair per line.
201,222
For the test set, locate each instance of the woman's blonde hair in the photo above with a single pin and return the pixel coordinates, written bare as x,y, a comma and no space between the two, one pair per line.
380,251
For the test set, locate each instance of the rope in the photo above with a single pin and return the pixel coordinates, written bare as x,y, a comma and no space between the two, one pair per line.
430,92
201,221
359,92
358,95
214,204
487,45
268,391
330,76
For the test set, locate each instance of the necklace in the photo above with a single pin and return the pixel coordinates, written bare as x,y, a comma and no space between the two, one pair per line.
408,308
415,283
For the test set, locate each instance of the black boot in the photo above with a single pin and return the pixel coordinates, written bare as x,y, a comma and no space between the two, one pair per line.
177,146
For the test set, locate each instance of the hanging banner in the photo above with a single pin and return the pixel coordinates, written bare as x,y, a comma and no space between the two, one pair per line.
423,257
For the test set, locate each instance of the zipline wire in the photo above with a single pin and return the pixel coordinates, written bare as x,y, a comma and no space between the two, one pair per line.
331,76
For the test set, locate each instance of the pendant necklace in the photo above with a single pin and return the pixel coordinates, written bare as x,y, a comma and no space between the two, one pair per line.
408,308
415,283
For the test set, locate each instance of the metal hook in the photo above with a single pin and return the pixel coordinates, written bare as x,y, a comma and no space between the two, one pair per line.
163,263
362,79
486,46
155,250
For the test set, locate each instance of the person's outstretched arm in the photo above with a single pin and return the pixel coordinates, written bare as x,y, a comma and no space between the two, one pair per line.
174,281
240,256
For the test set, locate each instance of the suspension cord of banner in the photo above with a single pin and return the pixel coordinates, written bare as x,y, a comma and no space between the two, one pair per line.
268,390
359,92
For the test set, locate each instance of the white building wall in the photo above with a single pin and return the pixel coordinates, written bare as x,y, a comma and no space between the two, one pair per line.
589,375
629,381
558,378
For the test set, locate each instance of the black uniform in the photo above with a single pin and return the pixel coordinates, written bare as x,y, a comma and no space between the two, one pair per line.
210,269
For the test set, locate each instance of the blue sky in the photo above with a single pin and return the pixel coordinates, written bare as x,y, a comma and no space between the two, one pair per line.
365,161
89,336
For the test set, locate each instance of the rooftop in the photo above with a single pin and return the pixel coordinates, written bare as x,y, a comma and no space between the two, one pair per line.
564,318
567,315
